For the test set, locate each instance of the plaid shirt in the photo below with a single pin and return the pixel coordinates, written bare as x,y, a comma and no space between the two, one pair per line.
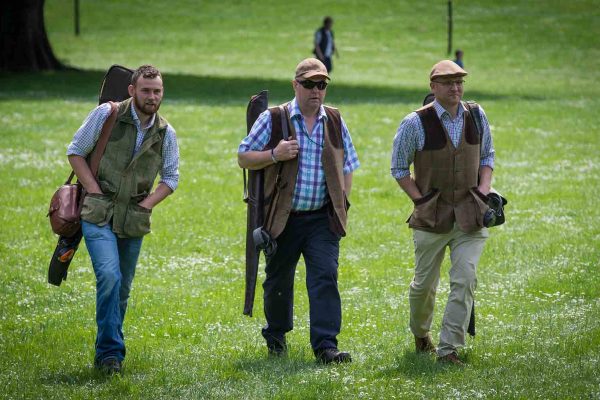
310,192
87,135
410,138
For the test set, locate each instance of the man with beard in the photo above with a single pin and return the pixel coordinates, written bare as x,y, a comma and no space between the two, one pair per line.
453,165
308,176
116,210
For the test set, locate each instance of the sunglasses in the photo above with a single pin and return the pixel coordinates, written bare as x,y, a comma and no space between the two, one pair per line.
307,84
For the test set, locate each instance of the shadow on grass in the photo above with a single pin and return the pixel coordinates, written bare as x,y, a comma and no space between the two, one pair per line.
276,366
83,85
80,377
415,365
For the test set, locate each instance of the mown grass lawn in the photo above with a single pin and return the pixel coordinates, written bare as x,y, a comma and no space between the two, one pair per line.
533,67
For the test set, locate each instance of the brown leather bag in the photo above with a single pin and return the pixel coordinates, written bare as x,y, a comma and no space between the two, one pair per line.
65,205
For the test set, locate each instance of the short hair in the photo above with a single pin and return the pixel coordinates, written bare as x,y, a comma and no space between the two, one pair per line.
146,71
457,52
327,20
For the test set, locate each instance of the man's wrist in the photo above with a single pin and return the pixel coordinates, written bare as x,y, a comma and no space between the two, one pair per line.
275,161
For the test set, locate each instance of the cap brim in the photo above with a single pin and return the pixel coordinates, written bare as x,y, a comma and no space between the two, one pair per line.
457,75
313,74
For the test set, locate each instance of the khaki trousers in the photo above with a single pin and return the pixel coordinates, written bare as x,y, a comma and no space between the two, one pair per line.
465,251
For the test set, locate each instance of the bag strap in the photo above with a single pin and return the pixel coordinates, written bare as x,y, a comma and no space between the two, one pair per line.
70,178
244,169
98,152
474,111
285,133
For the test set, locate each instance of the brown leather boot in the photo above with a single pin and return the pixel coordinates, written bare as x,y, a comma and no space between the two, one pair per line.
425,344
451,358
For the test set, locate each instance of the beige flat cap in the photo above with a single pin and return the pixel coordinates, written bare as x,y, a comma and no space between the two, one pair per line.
446,68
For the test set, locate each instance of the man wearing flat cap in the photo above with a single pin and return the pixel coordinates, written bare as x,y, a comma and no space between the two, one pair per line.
308,158
453,165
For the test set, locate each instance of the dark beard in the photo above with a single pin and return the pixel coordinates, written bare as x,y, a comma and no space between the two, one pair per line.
146,109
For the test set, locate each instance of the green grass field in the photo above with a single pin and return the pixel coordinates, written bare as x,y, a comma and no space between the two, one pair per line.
533,67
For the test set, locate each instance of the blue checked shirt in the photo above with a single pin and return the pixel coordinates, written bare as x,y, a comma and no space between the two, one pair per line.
87,135
410,138
310,192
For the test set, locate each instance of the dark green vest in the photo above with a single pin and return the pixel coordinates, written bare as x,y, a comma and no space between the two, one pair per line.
126,179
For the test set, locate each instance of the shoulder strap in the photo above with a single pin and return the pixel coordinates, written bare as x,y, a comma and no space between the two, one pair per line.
98,151
283,112
280,124
474,110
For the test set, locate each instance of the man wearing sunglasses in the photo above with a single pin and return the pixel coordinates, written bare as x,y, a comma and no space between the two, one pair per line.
452,176
308,157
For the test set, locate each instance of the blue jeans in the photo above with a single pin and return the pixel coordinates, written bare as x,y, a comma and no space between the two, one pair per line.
310,236
114,260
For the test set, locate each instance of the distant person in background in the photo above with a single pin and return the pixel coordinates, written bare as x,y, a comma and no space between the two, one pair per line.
325,44
459,58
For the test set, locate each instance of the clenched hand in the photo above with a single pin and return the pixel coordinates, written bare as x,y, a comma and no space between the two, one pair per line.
286,149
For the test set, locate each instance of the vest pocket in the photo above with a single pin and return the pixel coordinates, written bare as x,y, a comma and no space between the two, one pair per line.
425,211
95,208
137,221
480,204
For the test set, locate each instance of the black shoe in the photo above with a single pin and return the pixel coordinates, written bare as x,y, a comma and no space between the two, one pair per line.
277,348
332,354
109,366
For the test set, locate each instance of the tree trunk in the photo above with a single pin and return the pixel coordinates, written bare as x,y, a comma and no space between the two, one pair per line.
24,45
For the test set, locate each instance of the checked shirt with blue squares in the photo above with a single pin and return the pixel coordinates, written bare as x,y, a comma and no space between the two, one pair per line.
311,190
87,135
410,138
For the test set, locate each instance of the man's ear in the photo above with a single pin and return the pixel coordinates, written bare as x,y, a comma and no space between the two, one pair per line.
130,90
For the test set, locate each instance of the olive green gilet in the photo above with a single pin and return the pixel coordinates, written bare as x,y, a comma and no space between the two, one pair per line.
126,179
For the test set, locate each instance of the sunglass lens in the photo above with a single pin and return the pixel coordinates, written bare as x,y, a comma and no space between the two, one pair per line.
308,84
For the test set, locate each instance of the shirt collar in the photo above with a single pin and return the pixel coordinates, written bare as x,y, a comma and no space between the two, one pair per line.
294,109
440,111
136,119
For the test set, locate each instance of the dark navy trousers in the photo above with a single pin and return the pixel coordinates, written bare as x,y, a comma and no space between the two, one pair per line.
307,235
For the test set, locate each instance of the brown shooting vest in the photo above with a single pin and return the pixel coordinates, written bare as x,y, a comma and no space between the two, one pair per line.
447,177
332,159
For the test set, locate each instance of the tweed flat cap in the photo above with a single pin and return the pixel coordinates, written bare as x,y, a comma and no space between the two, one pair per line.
446,68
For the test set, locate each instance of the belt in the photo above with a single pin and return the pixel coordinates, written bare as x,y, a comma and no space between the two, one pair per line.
301,213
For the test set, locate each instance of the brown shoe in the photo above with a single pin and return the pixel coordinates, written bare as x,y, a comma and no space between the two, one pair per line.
451,358
425,344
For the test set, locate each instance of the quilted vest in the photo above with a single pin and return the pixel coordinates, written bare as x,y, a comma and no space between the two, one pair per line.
126,179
